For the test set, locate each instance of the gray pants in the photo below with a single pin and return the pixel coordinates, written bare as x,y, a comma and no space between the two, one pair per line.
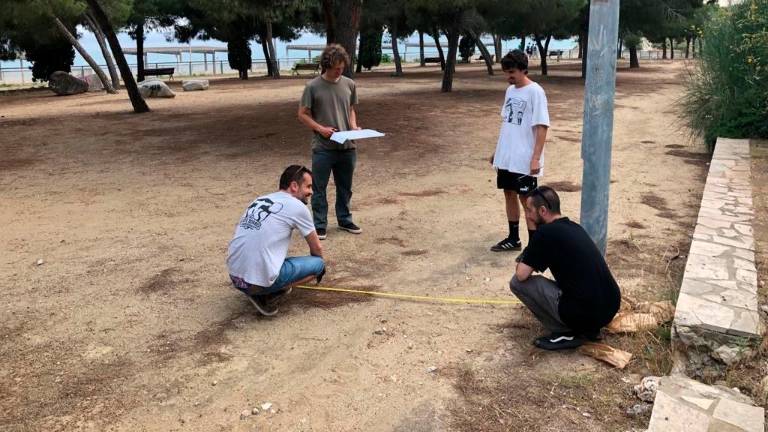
542,297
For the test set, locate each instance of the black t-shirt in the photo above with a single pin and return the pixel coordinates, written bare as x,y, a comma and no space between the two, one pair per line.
590,296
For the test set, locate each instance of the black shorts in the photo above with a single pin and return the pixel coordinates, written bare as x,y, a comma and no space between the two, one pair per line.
522,184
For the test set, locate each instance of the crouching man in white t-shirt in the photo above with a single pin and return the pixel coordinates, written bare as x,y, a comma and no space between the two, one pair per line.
519,156
257,254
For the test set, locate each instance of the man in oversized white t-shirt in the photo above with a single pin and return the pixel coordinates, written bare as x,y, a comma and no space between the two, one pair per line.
257,254
519,159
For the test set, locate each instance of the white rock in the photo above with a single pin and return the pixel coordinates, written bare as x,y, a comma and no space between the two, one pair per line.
40,262
431,369
244,414
155,89
255,411
638,409
214,383
266,406
194,85
646,390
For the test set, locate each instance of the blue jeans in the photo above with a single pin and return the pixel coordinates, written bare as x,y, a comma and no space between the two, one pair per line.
342,164
293,269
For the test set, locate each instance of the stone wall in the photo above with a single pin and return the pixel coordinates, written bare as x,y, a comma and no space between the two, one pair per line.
716,320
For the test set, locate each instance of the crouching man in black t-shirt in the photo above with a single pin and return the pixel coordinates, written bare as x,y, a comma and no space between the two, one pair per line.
584,297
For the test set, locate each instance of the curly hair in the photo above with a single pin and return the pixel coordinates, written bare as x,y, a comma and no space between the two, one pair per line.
515,59
333,54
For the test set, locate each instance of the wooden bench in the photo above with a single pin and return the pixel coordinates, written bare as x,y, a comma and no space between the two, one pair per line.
482,58
556,53
314,67
432,60
160,71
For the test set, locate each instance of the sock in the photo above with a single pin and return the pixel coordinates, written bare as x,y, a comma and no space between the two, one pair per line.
514,234
530,235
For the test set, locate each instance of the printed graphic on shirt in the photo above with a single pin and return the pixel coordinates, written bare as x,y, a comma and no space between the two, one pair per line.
258,212
514,109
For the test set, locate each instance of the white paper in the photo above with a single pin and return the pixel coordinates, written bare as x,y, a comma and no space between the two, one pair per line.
341,137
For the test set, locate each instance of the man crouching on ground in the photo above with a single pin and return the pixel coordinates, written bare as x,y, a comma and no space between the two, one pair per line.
257,254
584,297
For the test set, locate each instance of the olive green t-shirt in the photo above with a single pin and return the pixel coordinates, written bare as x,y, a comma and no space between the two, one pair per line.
330,103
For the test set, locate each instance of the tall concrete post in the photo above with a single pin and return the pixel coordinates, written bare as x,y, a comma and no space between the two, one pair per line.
597,132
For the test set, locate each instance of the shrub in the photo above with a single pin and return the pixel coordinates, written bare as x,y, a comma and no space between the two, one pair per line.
727,91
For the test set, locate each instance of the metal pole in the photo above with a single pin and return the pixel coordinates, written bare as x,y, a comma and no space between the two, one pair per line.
597,133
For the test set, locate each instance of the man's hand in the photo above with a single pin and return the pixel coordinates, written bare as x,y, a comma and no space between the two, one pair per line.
535,166
326,131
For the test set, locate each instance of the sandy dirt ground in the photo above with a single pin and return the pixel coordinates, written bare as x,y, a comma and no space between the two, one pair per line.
130,323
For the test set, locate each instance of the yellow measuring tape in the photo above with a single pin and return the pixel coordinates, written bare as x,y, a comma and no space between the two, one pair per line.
415,297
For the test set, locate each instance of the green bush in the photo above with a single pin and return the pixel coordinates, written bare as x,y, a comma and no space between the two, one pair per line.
727,91
386,58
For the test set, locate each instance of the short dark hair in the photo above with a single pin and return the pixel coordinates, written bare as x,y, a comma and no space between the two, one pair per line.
333,54
545,196
294,173
515,59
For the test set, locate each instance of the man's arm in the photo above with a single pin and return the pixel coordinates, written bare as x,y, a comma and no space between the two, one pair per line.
523,271
540,135
305,116
353,118
313,241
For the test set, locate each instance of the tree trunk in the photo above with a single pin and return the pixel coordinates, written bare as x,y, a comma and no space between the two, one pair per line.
483,50
450,66
104,50
618,49
359,64
634,63
522,42
396,51
265,50
422,63
497,48
664,49
342,27
687,46
272,55
699,45
693,47
436,37
140,51
87,57
581,48
139,105
330,21
543,49
671,49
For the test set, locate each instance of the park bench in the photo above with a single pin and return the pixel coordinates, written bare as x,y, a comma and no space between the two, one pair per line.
160,71
431,59
482,58
556,53
314,67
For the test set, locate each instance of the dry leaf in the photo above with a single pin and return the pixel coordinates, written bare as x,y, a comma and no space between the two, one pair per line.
614,357
629,322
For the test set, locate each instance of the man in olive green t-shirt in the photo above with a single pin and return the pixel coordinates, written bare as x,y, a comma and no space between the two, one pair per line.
327,106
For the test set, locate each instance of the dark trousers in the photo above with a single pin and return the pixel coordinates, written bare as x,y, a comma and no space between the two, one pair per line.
342,164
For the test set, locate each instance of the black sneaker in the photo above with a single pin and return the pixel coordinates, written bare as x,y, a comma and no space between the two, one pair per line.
263,305
507,245
350,227
322,234
558,341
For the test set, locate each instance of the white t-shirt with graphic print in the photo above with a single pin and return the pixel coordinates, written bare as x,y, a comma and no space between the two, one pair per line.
523,108
263,235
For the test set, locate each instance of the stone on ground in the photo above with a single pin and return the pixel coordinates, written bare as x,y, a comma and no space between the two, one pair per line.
94,83
194,85
64,84
155,89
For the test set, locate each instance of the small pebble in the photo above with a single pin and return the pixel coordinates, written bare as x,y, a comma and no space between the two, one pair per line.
255,411
266,406
40,262
244,414
214,383
431,369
